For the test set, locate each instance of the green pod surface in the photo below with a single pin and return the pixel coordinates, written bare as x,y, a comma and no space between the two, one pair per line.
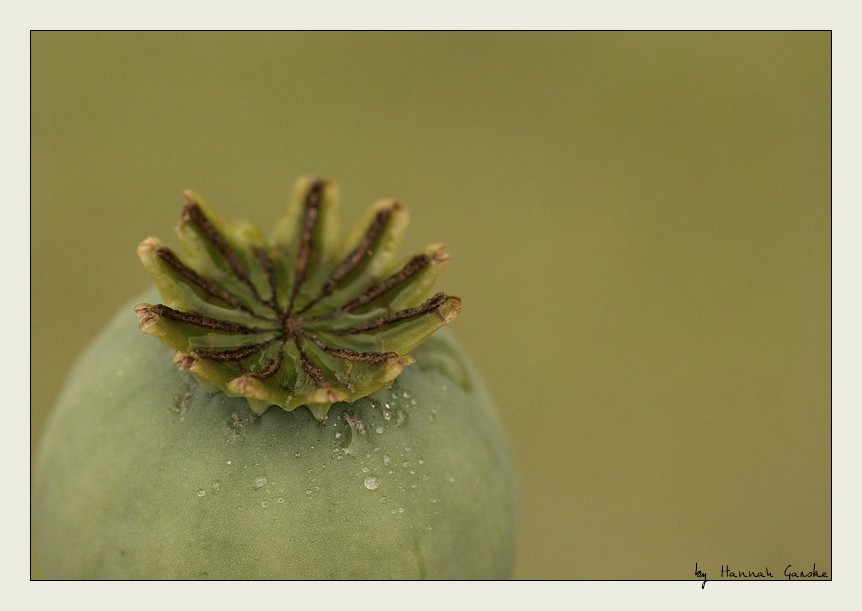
144,474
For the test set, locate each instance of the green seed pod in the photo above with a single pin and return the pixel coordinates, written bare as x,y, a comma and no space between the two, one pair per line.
163,459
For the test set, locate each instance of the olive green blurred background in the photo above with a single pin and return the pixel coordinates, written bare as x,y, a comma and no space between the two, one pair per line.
639,225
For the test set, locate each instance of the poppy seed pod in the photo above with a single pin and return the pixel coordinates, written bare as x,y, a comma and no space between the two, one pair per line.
287,413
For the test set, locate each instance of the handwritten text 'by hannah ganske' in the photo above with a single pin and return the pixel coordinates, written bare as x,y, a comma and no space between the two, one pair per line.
790,572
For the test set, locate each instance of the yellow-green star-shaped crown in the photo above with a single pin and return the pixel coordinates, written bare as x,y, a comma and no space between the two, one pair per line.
299,318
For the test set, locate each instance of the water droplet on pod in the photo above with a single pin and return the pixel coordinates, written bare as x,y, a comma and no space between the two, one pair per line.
259,482
372,483
400,417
